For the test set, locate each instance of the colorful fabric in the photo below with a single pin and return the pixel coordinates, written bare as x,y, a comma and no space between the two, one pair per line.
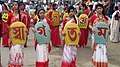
16,56
42,52
69,56
99,58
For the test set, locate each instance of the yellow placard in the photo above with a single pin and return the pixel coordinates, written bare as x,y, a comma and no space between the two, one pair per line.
65,16
72,34
56,18
5,17
83,21
18,33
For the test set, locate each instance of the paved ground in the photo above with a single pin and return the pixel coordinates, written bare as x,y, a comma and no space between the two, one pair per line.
83,55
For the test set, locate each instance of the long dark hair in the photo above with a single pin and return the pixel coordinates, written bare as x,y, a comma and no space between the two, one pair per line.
22,4
84,5
39,12
72,8
36,9
103,12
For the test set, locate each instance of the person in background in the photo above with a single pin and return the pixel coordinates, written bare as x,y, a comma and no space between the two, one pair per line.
5,38
75,11
55,29
115,24
32,6
27,7
84,32
41,4
27,15
65,12
110,10
37,8
45,6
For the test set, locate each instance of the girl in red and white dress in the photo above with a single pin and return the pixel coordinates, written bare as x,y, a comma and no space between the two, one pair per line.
99,58
16,52
42,50
69,52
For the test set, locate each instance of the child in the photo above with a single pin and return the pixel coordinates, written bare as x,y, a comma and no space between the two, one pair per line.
42,59
69,53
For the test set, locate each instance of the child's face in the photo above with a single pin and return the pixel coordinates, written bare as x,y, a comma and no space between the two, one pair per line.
71,12
15,6
42,14
99,9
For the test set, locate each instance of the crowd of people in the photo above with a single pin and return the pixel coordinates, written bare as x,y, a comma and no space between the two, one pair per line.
52,13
